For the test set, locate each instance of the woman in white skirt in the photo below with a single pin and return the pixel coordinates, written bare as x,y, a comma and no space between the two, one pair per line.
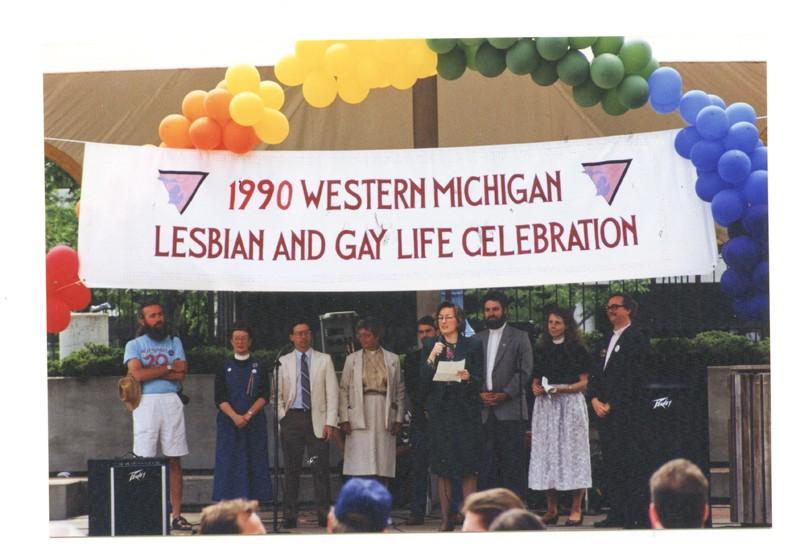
560,425
371,395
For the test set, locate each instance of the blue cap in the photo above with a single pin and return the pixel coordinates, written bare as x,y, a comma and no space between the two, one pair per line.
365,497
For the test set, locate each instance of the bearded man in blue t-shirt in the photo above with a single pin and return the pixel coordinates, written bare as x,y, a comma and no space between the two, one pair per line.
156,359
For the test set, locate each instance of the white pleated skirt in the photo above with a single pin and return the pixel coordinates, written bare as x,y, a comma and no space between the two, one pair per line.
372,450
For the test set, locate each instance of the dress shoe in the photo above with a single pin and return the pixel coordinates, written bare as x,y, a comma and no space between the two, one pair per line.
550,519
415,519
289,524
608,523
448,524
574,522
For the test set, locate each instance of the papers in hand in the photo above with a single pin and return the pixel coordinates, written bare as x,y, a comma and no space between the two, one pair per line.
447,371
548,389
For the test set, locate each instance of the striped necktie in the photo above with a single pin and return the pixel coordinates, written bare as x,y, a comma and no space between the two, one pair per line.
305,382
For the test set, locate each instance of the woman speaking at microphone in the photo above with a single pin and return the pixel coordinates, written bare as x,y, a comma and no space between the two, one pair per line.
453,408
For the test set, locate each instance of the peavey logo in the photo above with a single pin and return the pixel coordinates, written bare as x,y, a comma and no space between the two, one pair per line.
137,475
662,403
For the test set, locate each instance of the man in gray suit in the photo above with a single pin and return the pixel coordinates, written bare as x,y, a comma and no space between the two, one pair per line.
509,365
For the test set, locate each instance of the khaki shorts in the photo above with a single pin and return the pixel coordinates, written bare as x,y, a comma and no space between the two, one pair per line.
159,418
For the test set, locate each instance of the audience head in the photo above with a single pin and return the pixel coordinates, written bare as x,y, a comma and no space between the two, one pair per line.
481,508
363,506
231,517
678,496
517,520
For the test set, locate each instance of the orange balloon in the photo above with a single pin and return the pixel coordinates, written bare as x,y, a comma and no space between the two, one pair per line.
205,133
217,105
239,139
78,209
174,131
192,106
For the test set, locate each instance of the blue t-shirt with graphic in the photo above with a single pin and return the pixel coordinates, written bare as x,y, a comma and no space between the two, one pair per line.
155,353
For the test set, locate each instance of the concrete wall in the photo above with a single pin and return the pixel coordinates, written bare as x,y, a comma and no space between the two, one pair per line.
87,421
83,328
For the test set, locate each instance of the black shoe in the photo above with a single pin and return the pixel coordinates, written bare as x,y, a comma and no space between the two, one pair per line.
608,523
550,519
447,524
322,519
574,522
415,519
289,524
180,524
458,518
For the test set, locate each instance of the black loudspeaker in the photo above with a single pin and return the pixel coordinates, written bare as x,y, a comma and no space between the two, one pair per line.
128,497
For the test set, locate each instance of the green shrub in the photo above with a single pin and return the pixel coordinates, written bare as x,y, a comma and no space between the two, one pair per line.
722,348
90,361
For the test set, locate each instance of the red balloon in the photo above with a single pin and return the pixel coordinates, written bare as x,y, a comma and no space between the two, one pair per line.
76,296
61,265
57,315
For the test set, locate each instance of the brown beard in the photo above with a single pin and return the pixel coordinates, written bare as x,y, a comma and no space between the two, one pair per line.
157,333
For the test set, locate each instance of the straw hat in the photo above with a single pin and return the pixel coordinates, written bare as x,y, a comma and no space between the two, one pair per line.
130,392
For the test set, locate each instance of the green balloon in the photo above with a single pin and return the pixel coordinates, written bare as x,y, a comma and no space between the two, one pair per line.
581,42
610,45
490,61
651,67
503,43
552,48
573,69
545,73
451,65
612,104
633,92
522,58
635,55
474,42
607,71
440,46
587,94
470,52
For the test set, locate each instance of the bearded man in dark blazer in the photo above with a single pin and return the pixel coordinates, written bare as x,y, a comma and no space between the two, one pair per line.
509,366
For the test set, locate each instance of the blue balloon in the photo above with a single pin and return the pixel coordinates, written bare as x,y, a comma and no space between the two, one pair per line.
685,140
742,136
692,103
755,188
758,159
756,222
734,283
741,253
760,276
727,207
708,185
716,101
741,112
758,305
734,166
665,108
741,308
712,123
705,155
665,85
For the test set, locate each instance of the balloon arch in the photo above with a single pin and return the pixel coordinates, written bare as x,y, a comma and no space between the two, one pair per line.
721,140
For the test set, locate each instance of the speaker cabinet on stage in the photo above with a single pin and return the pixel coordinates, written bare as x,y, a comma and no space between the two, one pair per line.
128,497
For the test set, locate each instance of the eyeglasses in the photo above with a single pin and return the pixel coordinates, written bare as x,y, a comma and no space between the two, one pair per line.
615,306
445,318
302,333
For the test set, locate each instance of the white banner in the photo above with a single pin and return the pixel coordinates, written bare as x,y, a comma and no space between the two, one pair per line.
426,219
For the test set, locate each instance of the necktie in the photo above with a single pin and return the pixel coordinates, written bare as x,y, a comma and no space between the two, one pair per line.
305,382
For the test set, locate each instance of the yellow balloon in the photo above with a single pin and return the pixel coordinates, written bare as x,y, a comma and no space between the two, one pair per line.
273,128
339,60
319,89
271,94
390,51
370,73
242,77
246,108
290,70
403,77
421,59
351,90
311,53
222,85
361,48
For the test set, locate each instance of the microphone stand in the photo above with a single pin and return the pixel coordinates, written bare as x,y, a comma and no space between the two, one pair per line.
276,444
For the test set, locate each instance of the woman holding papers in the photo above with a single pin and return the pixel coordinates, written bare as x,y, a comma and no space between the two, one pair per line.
560,424
452,375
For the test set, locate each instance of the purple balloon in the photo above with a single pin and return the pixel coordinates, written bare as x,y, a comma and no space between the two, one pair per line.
760,276
755,188
685,140
727,207
741,253
734,283
665,88
708,185
712,123
734,166
692,103
756,221
705,155
741,308
741,112
758,158
742,136
758,305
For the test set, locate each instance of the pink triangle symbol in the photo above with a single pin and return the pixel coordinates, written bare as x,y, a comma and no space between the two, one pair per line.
607,176
181,186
